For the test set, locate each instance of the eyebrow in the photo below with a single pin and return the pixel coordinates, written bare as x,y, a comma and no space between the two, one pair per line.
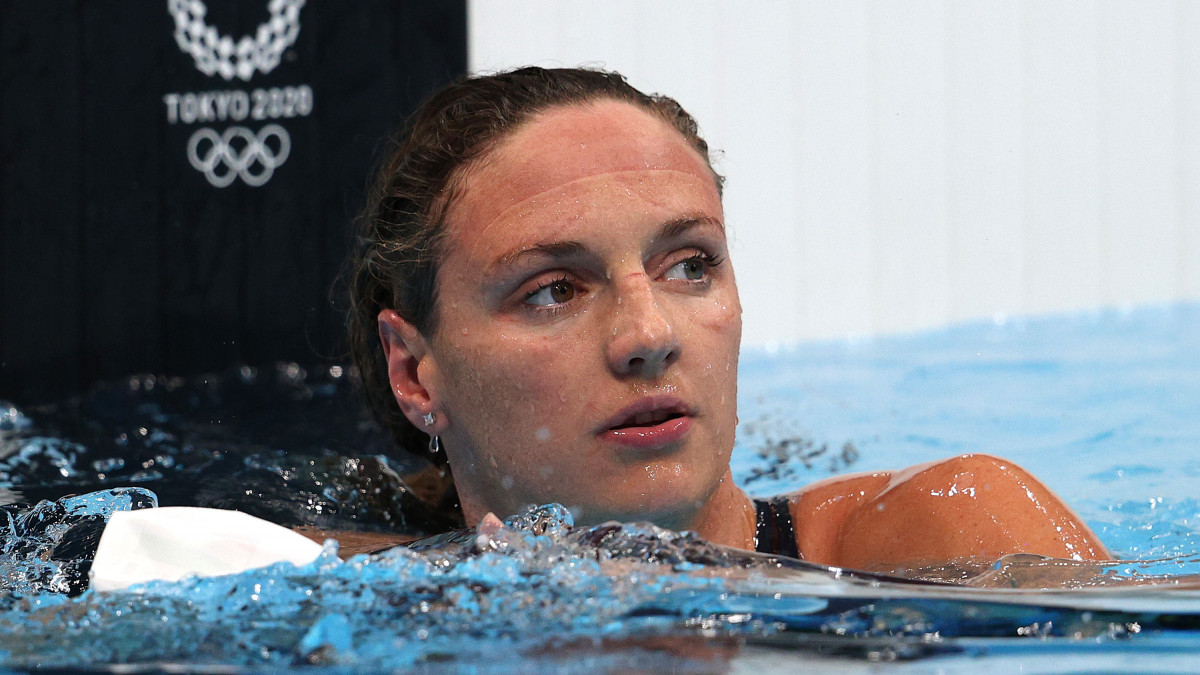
556,249
571,249
678,226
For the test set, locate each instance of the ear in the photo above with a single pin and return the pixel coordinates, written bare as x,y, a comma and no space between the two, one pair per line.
407,354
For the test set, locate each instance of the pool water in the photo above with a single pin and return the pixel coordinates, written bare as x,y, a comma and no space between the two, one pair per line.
1105,407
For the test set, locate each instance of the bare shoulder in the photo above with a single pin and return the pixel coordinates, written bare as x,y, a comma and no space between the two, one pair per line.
967,506
820,509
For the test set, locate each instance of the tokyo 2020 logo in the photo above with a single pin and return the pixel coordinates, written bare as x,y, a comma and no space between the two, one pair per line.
238,151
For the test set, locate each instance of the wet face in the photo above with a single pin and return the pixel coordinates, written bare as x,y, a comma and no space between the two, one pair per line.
589,322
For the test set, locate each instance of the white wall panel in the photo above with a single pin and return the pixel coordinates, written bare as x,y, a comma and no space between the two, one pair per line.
1186,65
985,130
1060,194
827,208
1139,164
899,165
910,181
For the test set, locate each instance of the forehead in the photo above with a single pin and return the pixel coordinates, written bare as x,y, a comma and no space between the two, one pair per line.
566,144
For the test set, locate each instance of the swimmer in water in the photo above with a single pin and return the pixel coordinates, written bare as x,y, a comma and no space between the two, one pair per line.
543,304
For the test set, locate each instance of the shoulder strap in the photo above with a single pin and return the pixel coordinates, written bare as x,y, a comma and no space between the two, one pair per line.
775,533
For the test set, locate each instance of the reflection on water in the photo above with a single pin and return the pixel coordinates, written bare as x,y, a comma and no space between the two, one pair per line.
288,445
572,598
1115,395
568,599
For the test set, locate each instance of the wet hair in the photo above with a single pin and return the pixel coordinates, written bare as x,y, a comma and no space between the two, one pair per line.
401,231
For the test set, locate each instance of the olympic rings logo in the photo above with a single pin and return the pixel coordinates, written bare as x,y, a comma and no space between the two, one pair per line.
239,153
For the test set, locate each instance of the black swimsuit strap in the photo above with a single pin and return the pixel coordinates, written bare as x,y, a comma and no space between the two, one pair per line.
775,533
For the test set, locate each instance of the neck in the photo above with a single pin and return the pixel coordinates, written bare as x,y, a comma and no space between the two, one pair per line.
728,518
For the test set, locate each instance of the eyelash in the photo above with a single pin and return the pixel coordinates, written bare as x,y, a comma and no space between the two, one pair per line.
710,260
548,310
548,284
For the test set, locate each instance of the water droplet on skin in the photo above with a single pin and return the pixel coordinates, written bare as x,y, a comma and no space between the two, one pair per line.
542,434
466,332
546,471
506,482
562,397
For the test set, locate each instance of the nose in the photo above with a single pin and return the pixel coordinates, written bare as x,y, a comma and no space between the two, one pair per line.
643,342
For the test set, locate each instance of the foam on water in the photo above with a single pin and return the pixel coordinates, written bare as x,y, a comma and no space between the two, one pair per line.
48,548
565,599
489,594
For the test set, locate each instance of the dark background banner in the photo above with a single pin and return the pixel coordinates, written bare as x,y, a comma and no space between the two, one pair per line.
179,177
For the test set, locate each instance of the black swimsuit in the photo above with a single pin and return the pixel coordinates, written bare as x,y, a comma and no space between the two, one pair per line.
775,533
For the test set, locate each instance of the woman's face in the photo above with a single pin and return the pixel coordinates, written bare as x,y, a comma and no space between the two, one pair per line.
589,323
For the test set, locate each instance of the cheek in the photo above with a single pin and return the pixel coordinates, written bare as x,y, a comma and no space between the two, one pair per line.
511,392
717,322
715,340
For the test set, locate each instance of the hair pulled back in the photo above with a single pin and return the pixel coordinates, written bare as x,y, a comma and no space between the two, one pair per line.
395,264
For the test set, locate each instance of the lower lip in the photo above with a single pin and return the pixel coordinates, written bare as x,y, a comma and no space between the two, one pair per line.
652,436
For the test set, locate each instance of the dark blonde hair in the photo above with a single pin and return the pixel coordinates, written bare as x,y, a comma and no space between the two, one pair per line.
395,264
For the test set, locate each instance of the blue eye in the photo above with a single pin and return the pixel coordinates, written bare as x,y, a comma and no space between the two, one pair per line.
553,293
692,269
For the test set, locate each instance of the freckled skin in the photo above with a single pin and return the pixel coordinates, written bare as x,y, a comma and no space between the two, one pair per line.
523,381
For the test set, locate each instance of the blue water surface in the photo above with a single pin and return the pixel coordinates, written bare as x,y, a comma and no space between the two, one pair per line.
1104,406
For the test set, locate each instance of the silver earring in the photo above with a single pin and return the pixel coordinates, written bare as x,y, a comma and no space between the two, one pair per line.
429,419
435,445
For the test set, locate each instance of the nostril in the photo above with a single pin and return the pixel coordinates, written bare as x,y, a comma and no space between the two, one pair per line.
637,363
